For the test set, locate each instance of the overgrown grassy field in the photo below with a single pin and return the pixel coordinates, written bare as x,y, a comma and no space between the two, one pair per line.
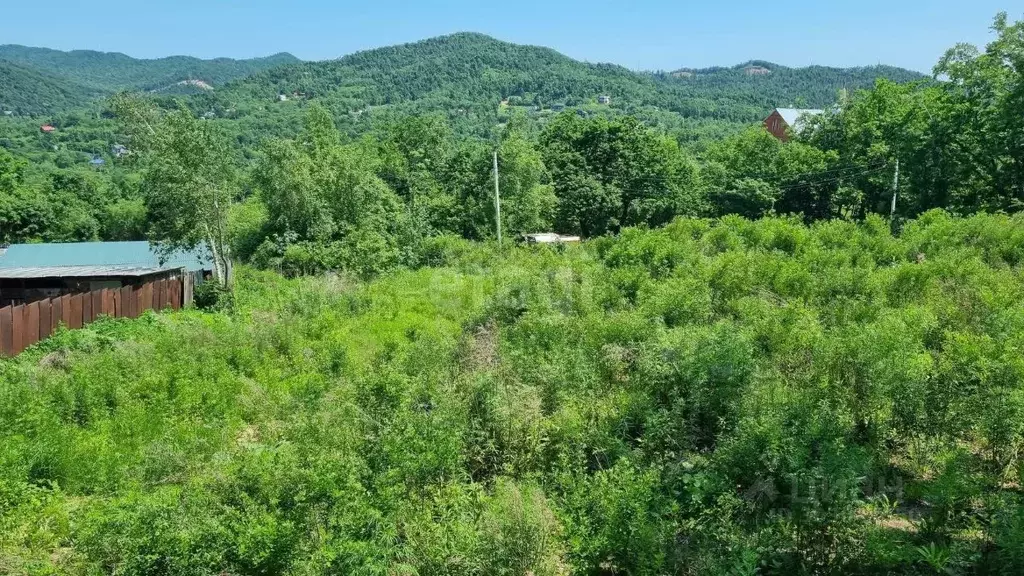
714,397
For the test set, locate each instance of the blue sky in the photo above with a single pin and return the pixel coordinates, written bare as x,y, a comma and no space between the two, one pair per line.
643,34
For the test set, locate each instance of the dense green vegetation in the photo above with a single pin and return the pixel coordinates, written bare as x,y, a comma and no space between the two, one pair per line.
714,397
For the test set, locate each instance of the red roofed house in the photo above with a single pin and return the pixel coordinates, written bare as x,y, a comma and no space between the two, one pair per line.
47,128
783,119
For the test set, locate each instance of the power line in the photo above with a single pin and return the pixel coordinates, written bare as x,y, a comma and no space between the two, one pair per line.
497,199
837,179
822,172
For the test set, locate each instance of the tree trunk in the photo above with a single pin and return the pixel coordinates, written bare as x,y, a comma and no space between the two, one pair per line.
229,270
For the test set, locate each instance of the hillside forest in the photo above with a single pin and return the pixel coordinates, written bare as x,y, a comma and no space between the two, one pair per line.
765,357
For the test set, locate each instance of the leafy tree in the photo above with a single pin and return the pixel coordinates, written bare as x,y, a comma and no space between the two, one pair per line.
327,199
528,201
188,178
990,85
621,172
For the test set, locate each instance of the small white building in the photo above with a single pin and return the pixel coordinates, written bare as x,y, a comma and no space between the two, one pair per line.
549,238
602,99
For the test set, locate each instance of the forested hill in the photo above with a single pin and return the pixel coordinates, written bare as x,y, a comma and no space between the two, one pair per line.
83,74
467,71
28,91
463,73
809,87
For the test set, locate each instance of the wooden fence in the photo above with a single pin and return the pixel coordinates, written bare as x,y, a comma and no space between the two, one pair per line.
24,325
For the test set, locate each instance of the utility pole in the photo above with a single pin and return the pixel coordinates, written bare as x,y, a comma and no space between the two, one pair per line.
895,189
497,199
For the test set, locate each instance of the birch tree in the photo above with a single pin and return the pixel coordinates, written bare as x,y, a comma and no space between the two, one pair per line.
188,179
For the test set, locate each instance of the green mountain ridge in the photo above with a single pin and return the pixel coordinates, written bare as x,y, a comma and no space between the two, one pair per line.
87,74
470,73
466,72
26,91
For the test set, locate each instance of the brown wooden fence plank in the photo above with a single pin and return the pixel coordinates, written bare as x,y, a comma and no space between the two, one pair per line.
147,296
125,311
31,323
163,294
65,310
86,308
108,302
17,329
176,294
136,301
97,303
115,298
56,313
45,325
76,317
6,332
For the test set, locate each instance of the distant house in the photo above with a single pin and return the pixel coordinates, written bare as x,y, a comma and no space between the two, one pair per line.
8,112
557,107
782,120
97,162
47,128
282,97
119,150
756,71
604,99
30,272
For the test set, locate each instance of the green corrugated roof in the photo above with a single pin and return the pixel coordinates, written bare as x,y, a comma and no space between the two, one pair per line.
140,254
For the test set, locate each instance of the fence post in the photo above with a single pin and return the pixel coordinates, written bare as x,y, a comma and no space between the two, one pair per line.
45,321
188,284
56,313
65,310
6,331
77,319
31,323
17,329
97,303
